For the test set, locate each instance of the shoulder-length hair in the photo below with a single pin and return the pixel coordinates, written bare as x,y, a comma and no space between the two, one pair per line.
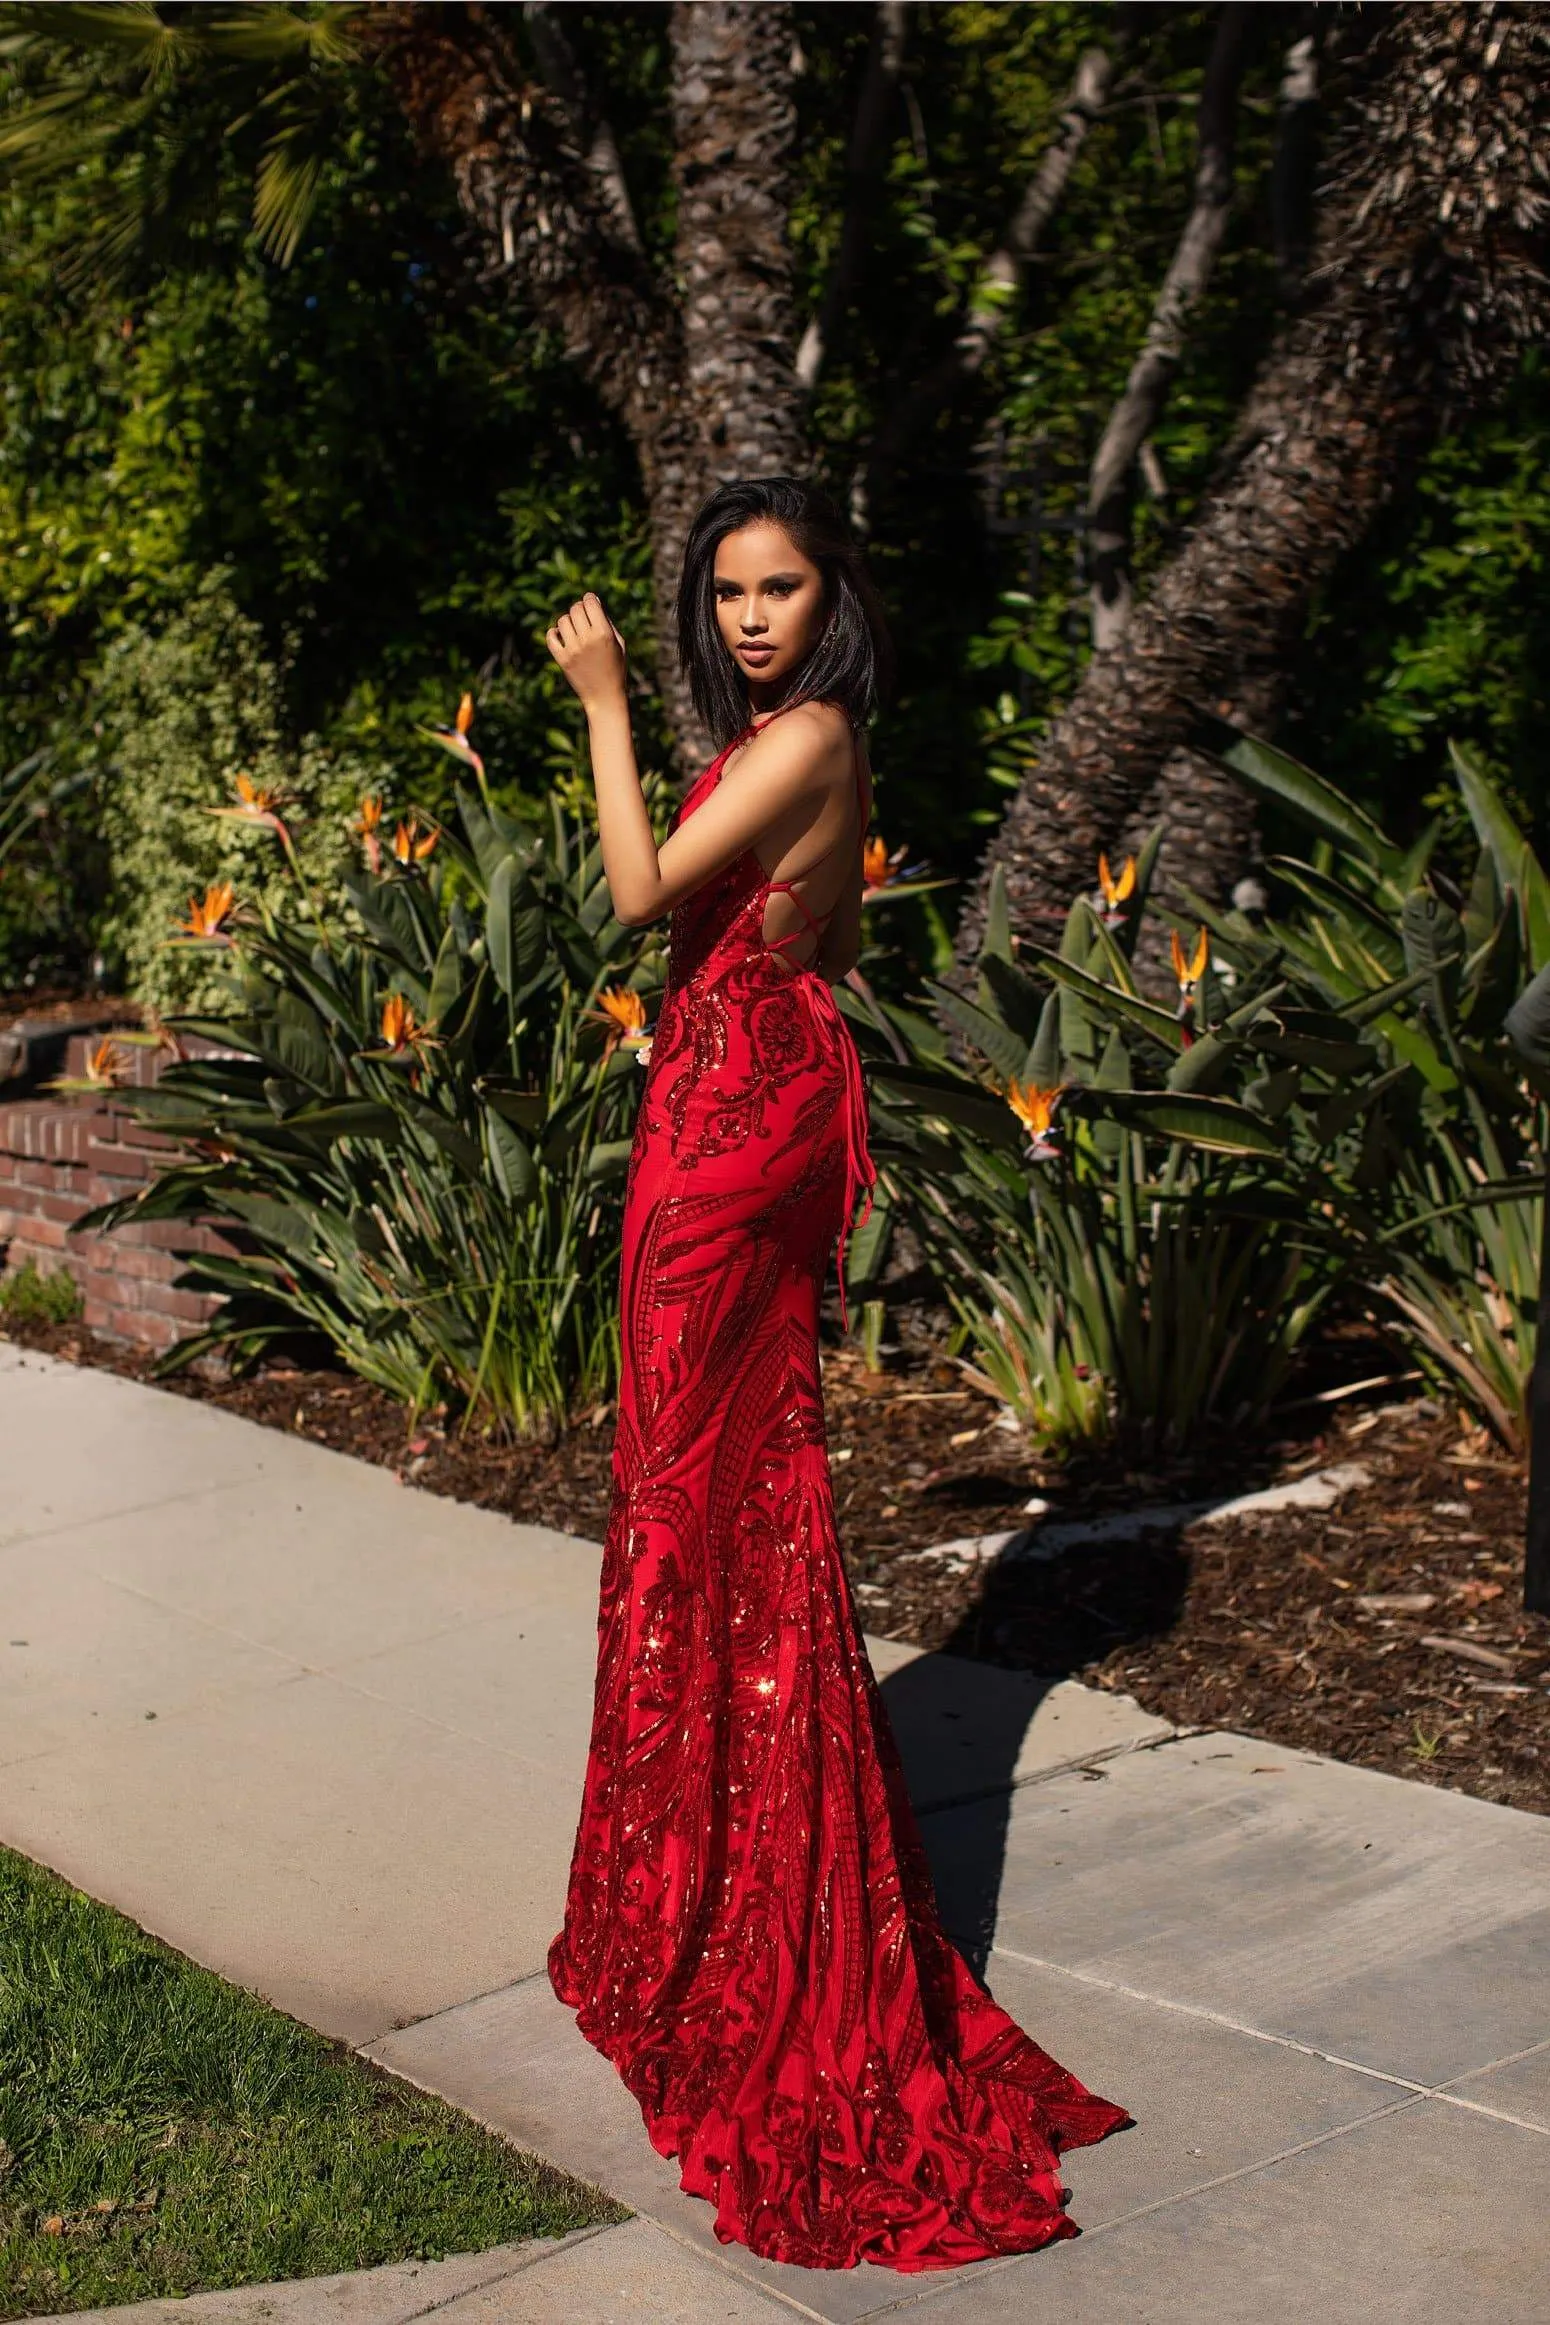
850,662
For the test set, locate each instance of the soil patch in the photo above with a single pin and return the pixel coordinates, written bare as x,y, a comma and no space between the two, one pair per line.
1387,1630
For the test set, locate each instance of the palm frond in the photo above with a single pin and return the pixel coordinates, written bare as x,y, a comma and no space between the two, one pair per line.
323,35
159,102
285,190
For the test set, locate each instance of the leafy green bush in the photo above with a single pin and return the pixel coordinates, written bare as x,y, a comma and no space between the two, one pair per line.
1335,1110
421,1139
1445,1194
27,1296
1131,1218
184,710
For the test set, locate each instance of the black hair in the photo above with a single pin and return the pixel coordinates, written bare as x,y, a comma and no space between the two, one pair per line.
850,662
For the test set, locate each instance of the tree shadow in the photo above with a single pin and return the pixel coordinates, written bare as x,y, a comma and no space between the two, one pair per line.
962,1712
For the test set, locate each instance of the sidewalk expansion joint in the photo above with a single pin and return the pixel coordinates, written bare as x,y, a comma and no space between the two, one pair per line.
447,2010
1288,2042
1123,1750
985,2269
537,2250
161,1501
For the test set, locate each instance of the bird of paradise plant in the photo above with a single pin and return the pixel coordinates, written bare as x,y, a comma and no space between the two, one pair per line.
1154,1269
450,1229
1446,1179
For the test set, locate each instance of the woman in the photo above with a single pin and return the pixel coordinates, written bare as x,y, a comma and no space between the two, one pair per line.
751,1934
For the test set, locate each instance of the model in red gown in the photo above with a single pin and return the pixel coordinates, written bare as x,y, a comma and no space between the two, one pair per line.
751,1933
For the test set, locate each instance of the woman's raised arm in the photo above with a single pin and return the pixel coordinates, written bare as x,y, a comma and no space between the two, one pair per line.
788,762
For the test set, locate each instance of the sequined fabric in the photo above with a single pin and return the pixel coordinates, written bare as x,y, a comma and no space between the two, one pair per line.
751,1933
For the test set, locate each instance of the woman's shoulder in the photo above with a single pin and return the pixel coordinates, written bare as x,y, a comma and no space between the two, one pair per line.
825,728
805,747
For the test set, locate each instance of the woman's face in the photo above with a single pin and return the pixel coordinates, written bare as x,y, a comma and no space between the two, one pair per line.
769,604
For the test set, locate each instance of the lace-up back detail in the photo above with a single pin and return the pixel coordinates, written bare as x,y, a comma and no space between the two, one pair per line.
746,880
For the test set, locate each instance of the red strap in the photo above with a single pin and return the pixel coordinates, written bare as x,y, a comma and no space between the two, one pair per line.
860,1170
786,888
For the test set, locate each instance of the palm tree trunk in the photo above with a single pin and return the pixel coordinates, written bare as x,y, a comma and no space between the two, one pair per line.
700,372
1426,284
1145,393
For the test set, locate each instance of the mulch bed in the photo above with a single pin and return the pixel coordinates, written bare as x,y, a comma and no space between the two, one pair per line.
1267,1625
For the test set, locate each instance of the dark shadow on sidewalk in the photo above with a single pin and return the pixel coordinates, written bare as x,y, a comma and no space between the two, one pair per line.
960,1727
961,1720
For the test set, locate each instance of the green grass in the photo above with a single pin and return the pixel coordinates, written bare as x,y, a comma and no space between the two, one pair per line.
29,1297
162,2132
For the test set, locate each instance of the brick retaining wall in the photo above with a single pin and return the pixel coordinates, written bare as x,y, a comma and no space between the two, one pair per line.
62,1156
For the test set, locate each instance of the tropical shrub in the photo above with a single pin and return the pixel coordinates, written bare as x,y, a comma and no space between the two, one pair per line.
1128,1205
1445,1195
417,1123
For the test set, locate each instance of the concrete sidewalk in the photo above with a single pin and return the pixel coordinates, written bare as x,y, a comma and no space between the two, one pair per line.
326,1734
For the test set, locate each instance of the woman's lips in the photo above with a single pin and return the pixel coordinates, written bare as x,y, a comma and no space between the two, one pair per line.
756,653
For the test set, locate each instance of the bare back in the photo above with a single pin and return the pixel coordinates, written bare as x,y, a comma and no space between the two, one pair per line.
812,908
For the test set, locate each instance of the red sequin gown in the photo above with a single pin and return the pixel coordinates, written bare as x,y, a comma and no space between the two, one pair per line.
751,1934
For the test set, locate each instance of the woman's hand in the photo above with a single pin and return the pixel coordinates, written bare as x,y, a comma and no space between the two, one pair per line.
590,651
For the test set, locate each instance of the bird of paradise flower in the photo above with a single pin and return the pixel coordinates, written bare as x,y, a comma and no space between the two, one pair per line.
258,804
455,739
622,1014
1035,1110
367,827
404,1039
108,1067
413,841
1115,890
885,873
1188,969
209,918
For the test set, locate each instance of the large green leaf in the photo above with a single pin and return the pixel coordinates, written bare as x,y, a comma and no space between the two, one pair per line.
1528,1021
1216,1124
1108,1001
301,1047
1018,1000
1434,940
1346,902
354,1118
607,1161
1206,1063
511,1159
924,1092
998,918
1517,866
516,926
998,1044
1275,775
